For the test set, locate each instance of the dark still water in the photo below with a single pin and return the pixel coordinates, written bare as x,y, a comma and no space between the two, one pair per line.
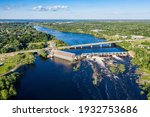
56,80
48,79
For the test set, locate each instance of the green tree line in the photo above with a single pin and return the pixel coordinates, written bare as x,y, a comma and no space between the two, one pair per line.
19,36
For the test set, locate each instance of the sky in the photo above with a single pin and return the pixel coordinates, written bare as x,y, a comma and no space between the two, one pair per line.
74,9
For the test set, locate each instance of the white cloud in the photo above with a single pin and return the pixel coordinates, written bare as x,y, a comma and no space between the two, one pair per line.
40,8
50,8
57,7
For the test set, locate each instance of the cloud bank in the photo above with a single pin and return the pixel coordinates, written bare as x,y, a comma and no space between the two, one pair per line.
50,8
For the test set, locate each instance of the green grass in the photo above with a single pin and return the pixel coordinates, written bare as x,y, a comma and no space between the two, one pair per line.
6,67
12,62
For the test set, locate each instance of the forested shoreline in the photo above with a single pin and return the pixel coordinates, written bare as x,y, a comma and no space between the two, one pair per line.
17,37
118,31
103,29
11,66
21,36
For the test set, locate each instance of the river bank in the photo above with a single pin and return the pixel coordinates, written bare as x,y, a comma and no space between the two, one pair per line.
92,78
11,72
136,51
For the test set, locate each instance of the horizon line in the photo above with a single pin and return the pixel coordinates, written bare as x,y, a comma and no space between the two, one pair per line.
74,19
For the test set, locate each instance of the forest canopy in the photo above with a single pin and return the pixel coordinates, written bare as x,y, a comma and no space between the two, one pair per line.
18,36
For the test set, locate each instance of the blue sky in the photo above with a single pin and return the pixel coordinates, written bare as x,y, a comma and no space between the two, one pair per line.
74,9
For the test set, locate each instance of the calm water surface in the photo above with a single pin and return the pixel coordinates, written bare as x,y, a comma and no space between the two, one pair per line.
48,79
55,79
70,38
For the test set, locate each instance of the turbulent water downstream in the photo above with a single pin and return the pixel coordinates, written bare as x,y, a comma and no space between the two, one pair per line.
56,79
107,85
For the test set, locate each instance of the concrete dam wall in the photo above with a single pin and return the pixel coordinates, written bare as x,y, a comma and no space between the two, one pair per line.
63,55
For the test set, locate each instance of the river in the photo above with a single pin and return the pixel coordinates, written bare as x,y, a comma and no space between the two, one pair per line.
55,78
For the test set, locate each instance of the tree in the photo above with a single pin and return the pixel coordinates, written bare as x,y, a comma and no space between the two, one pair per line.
12,91
29,59
2,84
17,36
4,94
7,83
43,53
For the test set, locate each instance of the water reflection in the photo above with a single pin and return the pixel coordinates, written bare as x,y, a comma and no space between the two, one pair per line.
48,80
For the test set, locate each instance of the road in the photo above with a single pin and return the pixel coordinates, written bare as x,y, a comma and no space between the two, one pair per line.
19,52
65,47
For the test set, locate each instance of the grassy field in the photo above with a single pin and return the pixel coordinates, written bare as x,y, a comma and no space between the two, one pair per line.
6,67
10,63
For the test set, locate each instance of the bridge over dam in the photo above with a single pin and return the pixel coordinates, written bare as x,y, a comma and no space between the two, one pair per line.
65,55
71,56
56,52
109,43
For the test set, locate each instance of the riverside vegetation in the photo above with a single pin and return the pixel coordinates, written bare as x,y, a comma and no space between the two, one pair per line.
114,30
16,37
21,36
106,30
8,81
7,85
